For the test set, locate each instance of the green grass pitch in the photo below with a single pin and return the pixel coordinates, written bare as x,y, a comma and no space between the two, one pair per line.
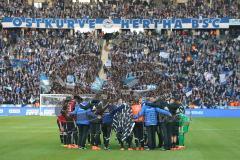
36,138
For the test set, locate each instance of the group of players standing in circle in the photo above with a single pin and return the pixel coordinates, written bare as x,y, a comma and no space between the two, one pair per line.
81,120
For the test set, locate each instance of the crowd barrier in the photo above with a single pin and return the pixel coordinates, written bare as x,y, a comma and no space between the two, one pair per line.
52,111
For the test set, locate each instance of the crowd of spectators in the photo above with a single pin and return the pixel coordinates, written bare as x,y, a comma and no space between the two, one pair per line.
122,9
199,68
77,56
26,54
19,69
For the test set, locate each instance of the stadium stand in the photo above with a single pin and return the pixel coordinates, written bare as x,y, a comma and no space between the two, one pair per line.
121,9
201,67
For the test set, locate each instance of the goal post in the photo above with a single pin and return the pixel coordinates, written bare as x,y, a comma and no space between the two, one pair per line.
51,104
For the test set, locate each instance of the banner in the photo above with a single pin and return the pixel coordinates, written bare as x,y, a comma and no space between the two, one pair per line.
112,25
29,111
18,111
49,111
213,112
52,111
234,22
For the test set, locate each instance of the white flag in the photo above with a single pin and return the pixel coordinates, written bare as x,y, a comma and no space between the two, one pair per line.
189,93
222,78
164,54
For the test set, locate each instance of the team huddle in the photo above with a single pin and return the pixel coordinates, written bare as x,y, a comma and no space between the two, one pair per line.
140,121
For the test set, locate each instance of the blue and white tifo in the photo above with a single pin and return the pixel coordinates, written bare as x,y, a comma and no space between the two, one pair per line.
117,24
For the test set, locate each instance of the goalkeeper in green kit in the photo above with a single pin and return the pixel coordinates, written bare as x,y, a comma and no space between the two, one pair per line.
183,128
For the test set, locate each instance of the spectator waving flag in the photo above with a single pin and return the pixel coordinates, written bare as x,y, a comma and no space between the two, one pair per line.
189,93
164,55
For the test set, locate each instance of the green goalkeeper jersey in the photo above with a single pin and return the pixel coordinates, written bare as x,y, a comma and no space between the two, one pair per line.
184,122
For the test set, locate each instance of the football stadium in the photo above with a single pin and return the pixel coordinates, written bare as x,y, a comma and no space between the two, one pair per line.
119,79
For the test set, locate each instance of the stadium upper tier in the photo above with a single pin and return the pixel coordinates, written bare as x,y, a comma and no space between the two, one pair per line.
122,9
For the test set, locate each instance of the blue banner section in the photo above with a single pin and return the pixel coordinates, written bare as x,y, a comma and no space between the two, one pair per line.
213,112
19,111
52,111
58,23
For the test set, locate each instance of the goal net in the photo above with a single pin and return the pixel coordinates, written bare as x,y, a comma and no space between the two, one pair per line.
51,104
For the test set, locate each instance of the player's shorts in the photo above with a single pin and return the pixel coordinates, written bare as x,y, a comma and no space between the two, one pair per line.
64,125
175,128
95,128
